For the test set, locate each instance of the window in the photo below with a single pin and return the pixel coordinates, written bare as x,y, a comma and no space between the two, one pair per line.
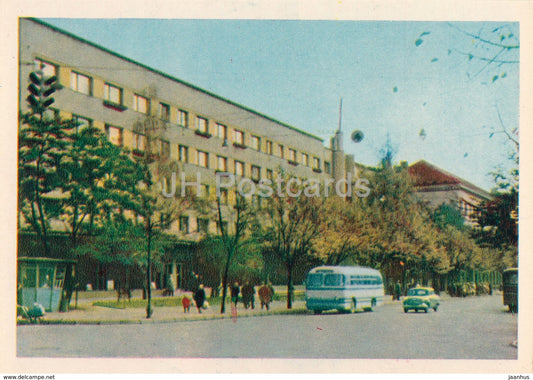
305,159
269,148
256,143
327,167
184,224
222,131
202,225
334,279
316,163
164,148
270,174
239,137
222,164
112,94
81,122
281,149
203,159
256,173
140,103
204,191
80,83
114,134
239,168
224,196
183,153
139,141
202,125
47,68
292,155
183,118
164,111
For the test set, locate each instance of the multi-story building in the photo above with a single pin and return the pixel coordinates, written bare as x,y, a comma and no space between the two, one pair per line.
201,131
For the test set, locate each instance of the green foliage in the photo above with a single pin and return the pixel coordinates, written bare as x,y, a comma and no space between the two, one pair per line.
288,226
44,142
446,215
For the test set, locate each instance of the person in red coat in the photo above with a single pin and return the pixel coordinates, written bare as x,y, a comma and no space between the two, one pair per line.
186,302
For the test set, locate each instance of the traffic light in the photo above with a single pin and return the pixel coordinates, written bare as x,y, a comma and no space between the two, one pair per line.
41,89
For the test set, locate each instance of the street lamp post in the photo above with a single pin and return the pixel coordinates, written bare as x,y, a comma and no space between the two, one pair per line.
149,310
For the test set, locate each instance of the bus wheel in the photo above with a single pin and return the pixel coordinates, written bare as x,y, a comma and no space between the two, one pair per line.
372,305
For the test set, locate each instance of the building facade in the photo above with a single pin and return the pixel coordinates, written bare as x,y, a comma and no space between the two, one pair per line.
436,186
202,132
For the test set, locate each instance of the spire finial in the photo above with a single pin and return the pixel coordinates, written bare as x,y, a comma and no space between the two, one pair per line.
340,115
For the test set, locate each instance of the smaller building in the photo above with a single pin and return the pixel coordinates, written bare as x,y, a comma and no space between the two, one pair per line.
436,186
42,280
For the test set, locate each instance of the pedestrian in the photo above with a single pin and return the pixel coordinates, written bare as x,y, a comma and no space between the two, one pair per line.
199,298
265,295
248,292
235,290
397,291
186,302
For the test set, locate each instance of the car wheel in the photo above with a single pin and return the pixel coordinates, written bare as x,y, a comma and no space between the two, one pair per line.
405,310
416,310
317,311
426,309
435,308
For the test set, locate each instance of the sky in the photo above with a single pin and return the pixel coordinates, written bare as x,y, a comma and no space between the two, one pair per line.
409,83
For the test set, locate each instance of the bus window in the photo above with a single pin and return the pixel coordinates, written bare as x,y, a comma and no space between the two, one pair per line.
334,279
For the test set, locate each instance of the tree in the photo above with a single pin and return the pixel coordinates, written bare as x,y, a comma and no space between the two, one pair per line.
155,203
232,240
44,141
118,243
344,234
98,178
486,48
289,225
403,239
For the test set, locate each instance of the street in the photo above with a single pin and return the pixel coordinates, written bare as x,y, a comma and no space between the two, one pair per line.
463,328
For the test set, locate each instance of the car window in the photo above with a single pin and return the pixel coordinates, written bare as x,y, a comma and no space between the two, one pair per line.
417,292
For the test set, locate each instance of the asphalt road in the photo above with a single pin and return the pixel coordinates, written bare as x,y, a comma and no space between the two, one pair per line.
463,328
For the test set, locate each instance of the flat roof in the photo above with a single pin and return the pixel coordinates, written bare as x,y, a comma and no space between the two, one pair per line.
59,30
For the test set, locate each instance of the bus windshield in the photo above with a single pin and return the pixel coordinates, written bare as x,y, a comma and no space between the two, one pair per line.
314,280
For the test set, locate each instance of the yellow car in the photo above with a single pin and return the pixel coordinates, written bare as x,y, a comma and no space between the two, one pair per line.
421,298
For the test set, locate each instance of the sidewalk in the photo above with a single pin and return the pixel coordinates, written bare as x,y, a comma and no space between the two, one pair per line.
87,313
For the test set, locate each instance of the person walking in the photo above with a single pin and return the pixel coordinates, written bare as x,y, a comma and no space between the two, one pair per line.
235,290
248,292
199,298
397,291
265,295
186,302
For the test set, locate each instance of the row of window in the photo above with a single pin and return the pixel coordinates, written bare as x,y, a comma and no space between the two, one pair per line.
113,95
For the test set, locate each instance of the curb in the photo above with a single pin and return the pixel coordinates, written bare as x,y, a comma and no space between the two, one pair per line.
196,318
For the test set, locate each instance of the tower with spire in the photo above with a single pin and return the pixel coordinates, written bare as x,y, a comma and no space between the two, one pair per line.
337,148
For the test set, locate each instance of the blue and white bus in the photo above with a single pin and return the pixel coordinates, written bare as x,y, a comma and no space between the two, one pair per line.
343,288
